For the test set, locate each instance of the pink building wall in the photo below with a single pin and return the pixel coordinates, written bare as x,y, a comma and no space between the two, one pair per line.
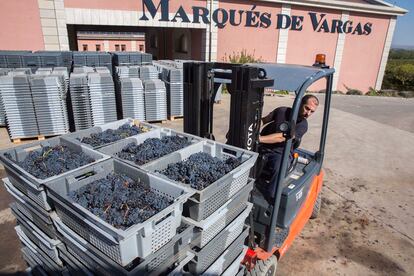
20,26
362,54
130,5
262,42
304,45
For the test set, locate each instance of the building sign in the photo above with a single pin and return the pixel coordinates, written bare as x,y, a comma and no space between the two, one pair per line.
253,19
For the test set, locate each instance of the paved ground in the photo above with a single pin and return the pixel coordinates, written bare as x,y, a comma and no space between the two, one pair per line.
366,227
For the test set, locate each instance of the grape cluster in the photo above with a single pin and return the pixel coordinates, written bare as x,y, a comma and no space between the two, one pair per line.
200,170
152,148
51,161
119,200
112,135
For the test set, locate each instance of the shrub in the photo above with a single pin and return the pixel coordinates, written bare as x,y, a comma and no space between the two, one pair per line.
242,57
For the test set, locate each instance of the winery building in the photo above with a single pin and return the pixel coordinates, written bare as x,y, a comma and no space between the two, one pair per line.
355,35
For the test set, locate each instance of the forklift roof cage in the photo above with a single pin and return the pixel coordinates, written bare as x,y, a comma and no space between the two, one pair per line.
246,84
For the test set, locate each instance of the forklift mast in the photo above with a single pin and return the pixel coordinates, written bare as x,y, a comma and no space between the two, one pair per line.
245,84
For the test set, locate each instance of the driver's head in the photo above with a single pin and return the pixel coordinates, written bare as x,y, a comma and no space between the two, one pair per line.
308,106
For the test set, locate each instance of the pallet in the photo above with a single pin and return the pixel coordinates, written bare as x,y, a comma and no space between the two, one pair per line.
34,138
173,118
157,122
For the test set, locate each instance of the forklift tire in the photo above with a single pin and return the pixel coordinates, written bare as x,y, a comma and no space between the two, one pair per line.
264,268
317,207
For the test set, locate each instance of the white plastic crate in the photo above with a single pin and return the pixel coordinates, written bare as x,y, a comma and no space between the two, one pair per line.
229,262
122,246
208,200
95,261
42,241
206,256
210,227
236,267
18,176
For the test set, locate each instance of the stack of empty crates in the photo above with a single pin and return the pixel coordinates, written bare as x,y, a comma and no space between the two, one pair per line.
130,92
92,96
171,73
131,58
35,104
92,59
3,72
18,106
202,232
155,100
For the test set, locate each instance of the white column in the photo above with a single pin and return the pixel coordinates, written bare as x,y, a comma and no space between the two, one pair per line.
106,45
283,38
340,43
53,21
133,45
385,52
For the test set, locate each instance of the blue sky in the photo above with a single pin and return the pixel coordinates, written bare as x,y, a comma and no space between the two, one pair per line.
404,31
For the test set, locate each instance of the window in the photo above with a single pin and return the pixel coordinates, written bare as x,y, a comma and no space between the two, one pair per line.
98,47
123,47
117,47
85,47
141,48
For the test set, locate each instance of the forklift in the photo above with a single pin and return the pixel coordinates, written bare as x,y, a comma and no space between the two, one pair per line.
274,223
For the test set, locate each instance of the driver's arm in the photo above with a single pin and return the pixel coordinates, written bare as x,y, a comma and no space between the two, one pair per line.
272,138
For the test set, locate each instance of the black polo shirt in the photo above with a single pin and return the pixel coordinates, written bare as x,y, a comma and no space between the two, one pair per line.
280,115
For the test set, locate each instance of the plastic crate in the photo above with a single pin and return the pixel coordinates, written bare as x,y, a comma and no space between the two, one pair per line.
207,229
178,269
117,147
236,268
77,136
206,256
122,246
229,262
75,268
97,262
42,241
47,227
34,268
37,255
208,200
18,176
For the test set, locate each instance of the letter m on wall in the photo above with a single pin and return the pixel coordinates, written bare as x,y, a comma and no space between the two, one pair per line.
149,6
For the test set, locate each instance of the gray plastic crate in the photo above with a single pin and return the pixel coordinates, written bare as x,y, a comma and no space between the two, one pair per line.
174,251
77,136
42,241
178,269
117,147
19,210
206,256
37,255
18,175
23,199
75,267
236,268
139,240
210,227
34,269
229,262
208,200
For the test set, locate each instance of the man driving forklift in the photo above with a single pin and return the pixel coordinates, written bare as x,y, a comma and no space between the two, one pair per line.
272,140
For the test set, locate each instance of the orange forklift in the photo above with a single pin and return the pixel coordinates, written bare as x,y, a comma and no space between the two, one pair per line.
275,220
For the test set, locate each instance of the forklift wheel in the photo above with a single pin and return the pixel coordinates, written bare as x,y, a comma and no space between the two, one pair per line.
264,268
317,207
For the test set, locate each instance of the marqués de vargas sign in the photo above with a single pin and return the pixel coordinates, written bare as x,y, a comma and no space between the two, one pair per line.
253,19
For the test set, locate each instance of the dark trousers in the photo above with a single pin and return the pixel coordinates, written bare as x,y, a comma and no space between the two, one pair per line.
272,166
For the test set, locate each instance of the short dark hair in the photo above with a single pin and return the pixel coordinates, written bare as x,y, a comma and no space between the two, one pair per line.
306,98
